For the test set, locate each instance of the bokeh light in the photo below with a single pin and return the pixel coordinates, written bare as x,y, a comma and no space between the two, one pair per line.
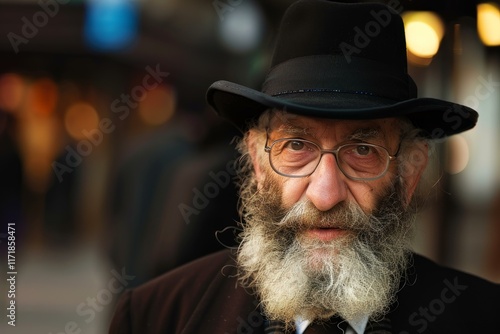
158,106
242,28
110,24
488,23
457,154
424,31
42,96
12,88
80,118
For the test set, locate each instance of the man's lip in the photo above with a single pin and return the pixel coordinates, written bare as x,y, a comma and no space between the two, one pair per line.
324,234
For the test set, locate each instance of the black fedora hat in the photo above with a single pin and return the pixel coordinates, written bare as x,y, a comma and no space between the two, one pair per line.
340,61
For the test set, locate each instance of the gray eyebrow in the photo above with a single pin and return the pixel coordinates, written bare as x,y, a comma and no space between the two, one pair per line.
292,129
366,134
289,125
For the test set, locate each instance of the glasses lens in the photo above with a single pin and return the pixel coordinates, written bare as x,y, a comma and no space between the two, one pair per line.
294,157
298,158
363,161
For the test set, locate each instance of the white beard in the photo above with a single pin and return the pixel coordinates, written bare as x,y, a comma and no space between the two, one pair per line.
354,275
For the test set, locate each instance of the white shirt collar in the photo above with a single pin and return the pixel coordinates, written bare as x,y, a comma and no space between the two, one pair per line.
359,325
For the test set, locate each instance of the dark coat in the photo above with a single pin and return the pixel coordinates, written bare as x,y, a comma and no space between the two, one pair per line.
203,297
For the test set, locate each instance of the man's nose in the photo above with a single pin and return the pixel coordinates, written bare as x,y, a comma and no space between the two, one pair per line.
327,185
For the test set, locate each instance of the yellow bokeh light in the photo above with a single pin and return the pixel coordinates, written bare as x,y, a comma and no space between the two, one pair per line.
424,31
79,119
422,39
488,23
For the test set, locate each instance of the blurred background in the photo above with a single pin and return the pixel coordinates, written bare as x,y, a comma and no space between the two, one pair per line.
114,170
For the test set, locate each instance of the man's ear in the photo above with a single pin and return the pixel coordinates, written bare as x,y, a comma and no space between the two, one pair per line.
253,144
413,167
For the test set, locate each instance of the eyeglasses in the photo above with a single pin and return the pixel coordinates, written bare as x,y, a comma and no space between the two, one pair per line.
294,157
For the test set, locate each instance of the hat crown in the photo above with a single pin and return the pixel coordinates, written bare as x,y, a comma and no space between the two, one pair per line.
344,48
318,27
340,61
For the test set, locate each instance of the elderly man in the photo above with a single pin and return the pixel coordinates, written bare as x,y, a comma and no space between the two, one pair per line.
334,149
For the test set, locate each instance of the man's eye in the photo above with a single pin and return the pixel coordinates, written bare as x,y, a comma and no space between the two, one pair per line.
363,150
295,145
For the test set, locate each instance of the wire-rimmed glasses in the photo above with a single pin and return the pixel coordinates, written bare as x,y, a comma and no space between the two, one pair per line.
295,157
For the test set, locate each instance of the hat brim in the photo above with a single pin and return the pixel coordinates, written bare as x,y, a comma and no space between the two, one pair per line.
437,118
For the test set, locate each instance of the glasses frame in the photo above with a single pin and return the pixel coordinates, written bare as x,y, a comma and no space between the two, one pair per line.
333,151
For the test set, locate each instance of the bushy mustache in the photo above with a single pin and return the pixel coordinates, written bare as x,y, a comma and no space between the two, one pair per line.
304,215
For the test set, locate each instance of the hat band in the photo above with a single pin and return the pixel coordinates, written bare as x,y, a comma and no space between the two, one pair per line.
331,73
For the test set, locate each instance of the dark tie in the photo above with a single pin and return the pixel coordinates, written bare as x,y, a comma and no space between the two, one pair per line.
332,326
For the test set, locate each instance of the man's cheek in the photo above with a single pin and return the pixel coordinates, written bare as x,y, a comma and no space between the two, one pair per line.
367,196
386,188
293,190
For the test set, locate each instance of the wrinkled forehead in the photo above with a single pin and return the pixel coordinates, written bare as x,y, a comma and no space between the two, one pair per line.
292,124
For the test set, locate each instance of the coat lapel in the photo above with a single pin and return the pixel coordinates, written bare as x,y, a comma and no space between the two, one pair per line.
226,308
